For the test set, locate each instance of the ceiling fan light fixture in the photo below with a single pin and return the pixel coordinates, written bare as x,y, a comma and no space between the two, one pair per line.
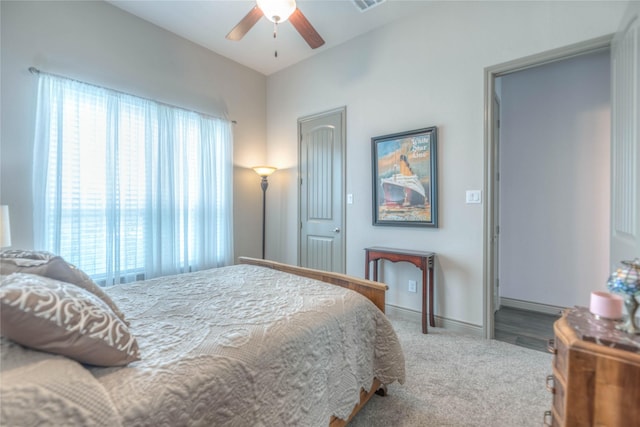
277,11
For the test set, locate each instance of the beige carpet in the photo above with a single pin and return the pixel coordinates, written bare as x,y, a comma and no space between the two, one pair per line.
460,380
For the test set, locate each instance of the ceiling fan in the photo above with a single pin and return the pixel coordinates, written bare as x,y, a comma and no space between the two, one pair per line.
277,11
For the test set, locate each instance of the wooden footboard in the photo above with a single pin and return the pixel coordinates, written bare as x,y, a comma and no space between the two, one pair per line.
374,291
376,387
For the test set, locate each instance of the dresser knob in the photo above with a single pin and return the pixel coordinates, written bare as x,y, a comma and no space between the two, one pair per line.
551,346
551,387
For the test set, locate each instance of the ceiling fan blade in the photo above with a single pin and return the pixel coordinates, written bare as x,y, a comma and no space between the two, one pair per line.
245,24
306,30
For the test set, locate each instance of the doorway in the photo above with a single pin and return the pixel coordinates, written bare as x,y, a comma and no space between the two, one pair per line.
531,238
322,186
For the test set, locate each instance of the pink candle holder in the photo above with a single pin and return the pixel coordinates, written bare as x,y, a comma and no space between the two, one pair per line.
606,305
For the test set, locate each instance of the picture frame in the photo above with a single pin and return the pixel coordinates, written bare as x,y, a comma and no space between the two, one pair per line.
405,190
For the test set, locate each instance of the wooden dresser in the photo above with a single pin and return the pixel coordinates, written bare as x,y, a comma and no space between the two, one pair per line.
596,373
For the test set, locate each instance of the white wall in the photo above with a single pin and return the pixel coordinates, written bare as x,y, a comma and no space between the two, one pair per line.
424,71
101,44
555,181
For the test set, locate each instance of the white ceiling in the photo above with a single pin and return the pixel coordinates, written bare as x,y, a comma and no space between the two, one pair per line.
207,22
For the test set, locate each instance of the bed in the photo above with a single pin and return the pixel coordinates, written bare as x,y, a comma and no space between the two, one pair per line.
259,343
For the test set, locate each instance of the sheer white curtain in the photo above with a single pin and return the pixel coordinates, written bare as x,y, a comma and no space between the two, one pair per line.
127,188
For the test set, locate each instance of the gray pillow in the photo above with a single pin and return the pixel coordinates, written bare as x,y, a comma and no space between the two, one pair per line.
62,318
55,267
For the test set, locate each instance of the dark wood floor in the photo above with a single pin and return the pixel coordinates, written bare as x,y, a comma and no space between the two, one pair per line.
523,327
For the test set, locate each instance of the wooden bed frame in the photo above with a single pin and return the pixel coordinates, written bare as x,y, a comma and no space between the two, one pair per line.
374,291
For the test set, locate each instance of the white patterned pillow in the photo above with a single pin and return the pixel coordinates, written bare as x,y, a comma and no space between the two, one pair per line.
26,254
44,389
62,318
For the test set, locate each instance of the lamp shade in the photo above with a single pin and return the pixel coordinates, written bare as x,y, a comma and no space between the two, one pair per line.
5,227
264,170
277,10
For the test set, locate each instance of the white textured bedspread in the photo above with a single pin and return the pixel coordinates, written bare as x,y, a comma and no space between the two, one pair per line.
248,346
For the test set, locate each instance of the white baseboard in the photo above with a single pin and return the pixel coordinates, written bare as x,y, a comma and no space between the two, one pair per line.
531,306
441,322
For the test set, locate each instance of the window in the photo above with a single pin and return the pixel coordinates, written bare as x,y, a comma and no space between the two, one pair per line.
127,188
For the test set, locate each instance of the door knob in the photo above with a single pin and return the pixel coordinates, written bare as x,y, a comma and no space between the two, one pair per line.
336,230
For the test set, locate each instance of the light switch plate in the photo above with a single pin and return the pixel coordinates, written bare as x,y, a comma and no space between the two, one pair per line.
474,196
413,286
349,199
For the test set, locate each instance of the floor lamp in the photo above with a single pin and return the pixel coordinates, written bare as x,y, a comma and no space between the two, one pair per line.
264,172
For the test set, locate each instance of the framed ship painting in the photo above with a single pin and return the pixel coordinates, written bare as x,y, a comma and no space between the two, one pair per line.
405,178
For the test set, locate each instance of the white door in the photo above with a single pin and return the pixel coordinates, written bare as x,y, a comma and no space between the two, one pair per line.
322,141
625,139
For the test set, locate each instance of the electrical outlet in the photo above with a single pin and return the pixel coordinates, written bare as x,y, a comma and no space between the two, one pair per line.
413,286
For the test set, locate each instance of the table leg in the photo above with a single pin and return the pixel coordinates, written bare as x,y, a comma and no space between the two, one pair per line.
375,270
424,299
432,319
366,267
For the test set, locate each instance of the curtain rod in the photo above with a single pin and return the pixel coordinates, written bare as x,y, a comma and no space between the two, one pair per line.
34,70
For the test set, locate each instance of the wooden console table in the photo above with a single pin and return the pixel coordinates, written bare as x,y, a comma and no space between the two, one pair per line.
423,260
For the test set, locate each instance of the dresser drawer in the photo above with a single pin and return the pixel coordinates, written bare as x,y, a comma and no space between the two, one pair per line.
558,390
560,356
